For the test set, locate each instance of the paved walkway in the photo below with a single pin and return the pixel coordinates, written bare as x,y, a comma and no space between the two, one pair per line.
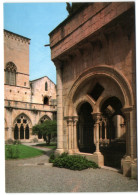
37,175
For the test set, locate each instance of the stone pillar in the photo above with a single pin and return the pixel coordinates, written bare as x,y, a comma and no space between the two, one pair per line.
59,108
105,124
75,145
127,120
30,133
69,134
126,160
100,131
10,129
97,156
97,117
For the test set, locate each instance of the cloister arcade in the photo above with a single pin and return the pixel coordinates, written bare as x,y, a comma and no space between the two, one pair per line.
22,128
98,115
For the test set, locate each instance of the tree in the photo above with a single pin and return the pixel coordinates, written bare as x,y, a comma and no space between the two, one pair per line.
48,129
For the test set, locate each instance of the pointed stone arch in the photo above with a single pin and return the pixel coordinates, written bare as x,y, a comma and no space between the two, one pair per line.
79,92
22,126
43,118
23,115
98,71
10,73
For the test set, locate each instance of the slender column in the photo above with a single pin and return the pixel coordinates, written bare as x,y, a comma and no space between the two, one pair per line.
127,115
100,131
69,137
59,108
105,129
30,133
97,117
75,146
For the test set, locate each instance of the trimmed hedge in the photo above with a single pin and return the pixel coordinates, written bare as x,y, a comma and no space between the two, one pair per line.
73,162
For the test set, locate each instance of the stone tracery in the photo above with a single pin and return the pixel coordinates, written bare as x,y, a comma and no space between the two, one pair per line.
22,127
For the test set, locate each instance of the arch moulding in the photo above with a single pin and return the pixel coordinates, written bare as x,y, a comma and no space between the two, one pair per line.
102,70
18,115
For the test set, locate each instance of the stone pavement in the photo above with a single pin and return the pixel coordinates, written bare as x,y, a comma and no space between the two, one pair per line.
37,175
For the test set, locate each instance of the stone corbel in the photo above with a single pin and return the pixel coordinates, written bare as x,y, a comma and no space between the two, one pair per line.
58,63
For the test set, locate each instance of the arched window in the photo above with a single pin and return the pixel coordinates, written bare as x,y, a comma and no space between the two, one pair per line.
21,132
46,86
27,132
46,101
22,127
16,132
10,73
43,119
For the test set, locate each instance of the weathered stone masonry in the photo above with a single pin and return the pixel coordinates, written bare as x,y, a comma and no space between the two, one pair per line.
26,102
94,52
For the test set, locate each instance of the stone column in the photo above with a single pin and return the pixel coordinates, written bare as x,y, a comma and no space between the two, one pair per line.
59,108
30,133
100,131
126,160
75,145
105,124
10,129
97,156
70,134
97,117
127,120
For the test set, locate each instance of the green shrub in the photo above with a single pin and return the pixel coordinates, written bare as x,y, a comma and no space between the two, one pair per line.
52,157
9,141
12,151
16,142
73,162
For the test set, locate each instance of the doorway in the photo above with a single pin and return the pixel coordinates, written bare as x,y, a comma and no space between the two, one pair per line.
85,126
114,146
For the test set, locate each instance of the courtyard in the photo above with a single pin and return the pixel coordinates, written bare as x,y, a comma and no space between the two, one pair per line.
37,175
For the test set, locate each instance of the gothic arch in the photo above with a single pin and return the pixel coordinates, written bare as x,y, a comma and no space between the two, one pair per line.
11,67
22,125
43,118
82,100
24,115
10,73
102,70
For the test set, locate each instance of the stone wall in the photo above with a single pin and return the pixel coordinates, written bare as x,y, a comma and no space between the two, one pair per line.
16,49
96,45
24,98
39,92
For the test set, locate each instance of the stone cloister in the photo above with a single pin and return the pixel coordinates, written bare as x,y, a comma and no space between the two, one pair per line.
94,54
116,88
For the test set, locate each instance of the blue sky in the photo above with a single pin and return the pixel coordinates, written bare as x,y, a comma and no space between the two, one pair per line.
36,21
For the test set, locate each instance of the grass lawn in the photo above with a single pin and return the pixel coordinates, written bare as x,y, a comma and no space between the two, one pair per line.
21,151
51,146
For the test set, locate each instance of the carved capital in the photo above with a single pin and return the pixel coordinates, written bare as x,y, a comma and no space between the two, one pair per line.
97,117
69,120
75,120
